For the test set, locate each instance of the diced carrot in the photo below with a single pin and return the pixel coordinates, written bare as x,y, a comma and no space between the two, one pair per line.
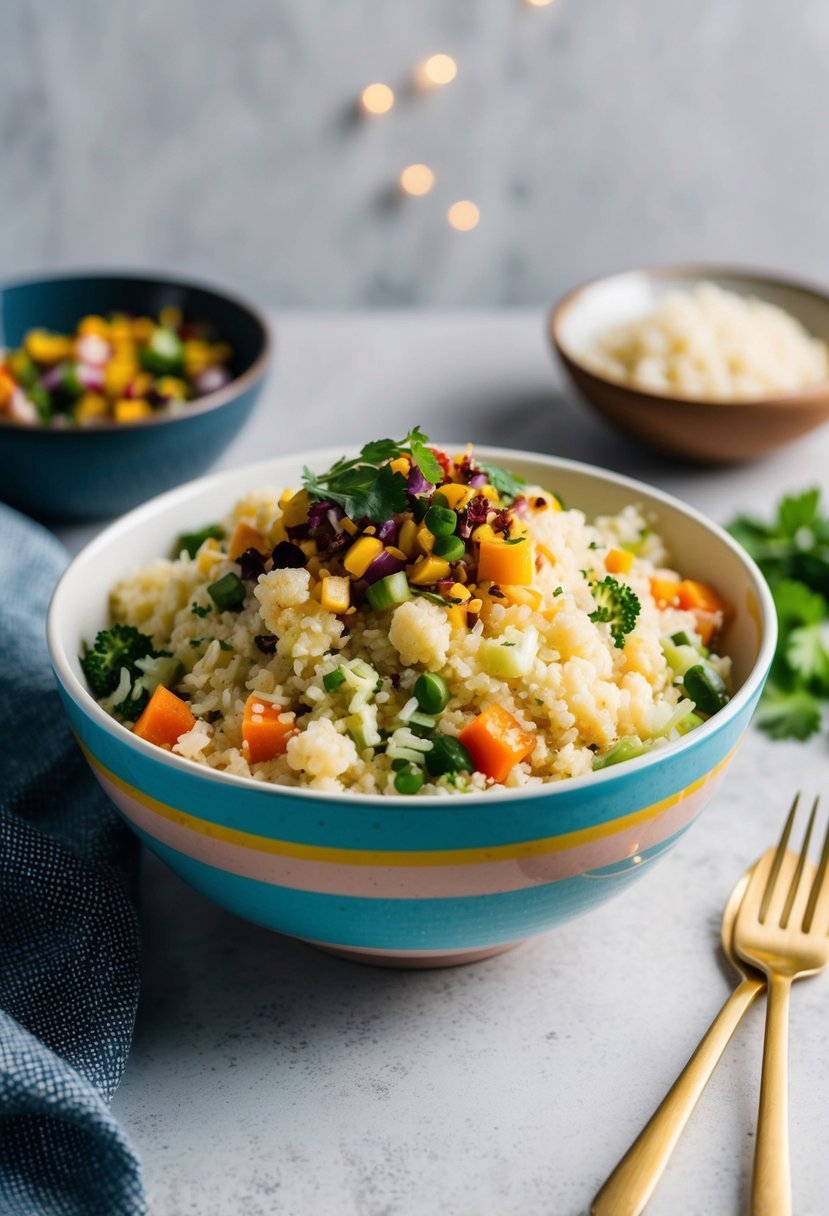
699,597
165,719
264,732
707,624
246,537
496,742
665,591
503,562
618,561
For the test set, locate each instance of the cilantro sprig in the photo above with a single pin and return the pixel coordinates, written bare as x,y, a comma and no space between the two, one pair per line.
792,550
509,485
367,487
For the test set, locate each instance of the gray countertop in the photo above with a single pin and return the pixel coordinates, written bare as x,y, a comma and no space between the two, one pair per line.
267,1077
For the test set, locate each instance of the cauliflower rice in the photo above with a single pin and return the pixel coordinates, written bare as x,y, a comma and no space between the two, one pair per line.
711,343
578,691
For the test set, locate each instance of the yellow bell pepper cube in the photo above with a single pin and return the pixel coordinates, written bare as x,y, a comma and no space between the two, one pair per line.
530,596
171,386
481,533
132,409
424,540
457,614
458,592
90,407
502,562
361,554
429,570
295,510
457,496
44,347
618,561
244,537
401,465
406,537
209,553
196,356
349,526
336,594
118,373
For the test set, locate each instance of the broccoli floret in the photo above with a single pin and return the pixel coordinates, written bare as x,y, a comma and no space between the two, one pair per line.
120,646
157,668
616,606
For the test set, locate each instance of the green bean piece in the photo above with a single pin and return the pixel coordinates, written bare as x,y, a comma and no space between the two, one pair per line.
448,755
432,692
704,686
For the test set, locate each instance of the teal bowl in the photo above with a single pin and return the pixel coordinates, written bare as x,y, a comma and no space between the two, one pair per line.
95,472
425,881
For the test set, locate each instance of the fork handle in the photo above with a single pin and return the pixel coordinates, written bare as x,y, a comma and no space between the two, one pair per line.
630,1186
771,1190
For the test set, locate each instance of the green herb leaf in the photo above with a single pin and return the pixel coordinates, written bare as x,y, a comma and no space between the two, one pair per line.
788,714
806,655
509,485
423,457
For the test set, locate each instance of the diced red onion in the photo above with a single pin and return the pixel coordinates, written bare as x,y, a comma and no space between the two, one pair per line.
383,565
418,483
92,348
53,378
520,507
387,532
478,479
211,380
91,377
318,512
334,516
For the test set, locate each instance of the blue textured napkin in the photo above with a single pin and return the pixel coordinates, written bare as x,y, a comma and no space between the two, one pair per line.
68,927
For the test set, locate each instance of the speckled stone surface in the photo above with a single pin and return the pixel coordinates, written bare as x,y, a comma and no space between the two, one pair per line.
219,140
267,1077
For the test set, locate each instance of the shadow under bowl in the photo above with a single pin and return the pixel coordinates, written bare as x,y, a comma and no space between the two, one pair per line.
94,472
425,881
713,431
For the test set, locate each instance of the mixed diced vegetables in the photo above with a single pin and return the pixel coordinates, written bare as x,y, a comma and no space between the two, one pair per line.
118,368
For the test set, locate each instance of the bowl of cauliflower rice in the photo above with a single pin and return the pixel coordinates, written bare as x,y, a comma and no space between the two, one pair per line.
417,702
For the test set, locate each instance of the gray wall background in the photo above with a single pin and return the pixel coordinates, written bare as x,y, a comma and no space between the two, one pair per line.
217,138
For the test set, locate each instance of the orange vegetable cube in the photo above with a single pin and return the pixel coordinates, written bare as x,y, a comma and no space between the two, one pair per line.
266,729
496,742
502,562
699,597
618,561
165,719
665,591
246,537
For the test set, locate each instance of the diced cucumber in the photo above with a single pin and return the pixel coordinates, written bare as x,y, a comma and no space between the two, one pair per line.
680,658
388,592
362,726
705,688
627,748
512,655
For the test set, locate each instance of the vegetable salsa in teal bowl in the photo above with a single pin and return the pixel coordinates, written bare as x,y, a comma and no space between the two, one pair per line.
414,704
114,387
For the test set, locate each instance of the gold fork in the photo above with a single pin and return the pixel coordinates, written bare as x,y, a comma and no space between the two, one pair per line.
629,1188
782,928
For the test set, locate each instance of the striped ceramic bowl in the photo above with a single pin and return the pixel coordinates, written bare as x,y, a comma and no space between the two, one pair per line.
425,881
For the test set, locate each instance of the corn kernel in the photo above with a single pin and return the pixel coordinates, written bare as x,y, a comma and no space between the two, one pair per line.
401,465
349,526
170,317
482,532
141,384
93,325
361,554
171,386
398,553
132,409
142,329
91,406
516,594
618,561
196,356
336,594
120,330
457,616
458,592
429,570
209,553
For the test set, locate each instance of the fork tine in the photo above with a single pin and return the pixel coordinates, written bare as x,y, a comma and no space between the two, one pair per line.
798,872
817,885
774,872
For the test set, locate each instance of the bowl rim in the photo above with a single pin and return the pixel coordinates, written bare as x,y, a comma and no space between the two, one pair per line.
201,405
699,271
166,503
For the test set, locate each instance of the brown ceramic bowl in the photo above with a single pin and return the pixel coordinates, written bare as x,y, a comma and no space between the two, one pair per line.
701,429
